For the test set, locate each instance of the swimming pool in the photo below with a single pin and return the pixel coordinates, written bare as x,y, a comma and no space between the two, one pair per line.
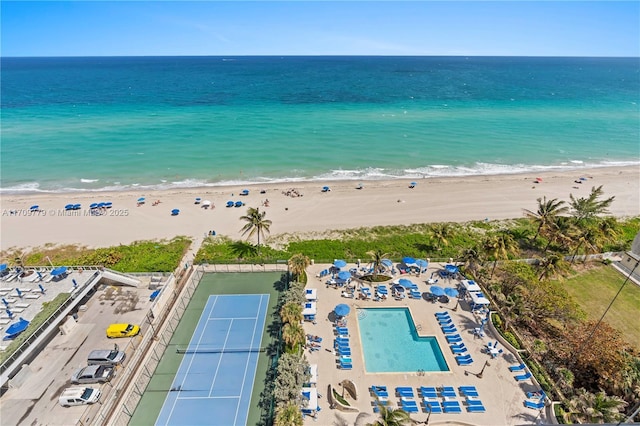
391,344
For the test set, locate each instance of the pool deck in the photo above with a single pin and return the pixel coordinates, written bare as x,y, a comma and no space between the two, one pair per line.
502,396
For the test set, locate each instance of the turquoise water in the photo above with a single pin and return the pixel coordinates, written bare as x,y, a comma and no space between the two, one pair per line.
391,344
169,122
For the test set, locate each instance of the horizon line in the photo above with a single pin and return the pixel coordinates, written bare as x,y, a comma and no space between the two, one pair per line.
317,56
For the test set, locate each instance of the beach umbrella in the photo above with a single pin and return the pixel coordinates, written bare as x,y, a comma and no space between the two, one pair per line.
206,203
9,313
5,302
141,200
583,178
339,263
344,275
93,206
102,205
341,310
408,260
230,203
325,189
58,271
68,207
33,208
3,267
175,212
422,263
198,199
412,184
387,263
42,290
451,292
108,204
75,283
437,290
77,206
18,292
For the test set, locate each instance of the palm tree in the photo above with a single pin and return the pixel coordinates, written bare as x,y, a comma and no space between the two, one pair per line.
608,229
596,408
499,247
298,263
293,335
589,238
256,223
551,266
470,259
590,207
376,259
546,212
440,232
243,249
392,417
291,313
289,415
560,231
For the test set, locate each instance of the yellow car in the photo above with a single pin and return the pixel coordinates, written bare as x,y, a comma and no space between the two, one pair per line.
122,330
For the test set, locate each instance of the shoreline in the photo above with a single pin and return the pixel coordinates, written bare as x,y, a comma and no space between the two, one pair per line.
380,202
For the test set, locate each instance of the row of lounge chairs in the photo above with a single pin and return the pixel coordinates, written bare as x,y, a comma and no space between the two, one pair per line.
342,348
430,402
454,339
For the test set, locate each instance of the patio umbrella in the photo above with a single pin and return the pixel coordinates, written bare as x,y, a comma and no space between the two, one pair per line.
58,271
405,282
408,261
436,290
339,263
16,328
422,263
387,263
452,269
344,275
342,310
451,292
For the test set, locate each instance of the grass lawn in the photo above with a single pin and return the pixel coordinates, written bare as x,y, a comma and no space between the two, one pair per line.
594,290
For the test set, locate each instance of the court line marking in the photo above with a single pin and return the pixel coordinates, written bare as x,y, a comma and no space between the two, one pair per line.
227,319
224,345
173,407
212,397
246,366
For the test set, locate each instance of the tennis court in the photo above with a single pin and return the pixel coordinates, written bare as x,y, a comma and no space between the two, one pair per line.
214,382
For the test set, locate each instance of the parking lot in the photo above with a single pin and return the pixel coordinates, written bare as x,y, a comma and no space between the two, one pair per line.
33,396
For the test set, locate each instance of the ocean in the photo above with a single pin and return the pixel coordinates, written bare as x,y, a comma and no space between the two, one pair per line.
119,123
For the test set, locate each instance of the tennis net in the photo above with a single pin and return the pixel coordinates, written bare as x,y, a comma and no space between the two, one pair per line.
201,350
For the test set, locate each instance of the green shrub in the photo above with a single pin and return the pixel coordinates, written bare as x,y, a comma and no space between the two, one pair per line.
497,321
509,337
340,399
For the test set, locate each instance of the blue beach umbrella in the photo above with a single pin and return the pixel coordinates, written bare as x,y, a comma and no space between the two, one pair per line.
34,208
422,263
68,207
141,200
175,212
16,328
405,282
452,269
5,302
9,313
339,263
101,205
230,203
344,275
93,206
108,204
58,271
408,260
412,184
387,262
77,206
437,290
3,267
341,310
198,199
451,292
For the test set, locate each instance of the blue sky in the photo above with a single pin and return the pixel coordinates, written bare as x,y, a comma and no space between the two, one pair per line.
546,28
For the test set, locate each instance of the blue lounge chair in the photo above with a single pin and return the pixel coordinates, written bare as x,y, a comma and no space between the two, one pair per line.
451,407
428,392
517,367
442,314
410,408
404,391
459,350
451,330
476,408
473,401
523,377
445,320
433,407
535,405
448,392
455,338
345,366
465,362
380,391
468,390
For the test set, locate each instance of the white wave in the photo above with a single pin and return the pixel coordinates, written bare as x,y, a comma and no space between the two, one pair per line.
89,180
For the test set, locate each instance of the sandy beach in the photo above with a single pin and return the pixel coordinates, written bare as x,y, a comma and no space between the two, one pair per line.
455,199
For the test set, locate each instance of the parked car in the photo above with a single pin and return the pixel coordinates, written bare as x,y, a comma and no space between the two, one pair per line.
122,330
79,396
105,357
93,374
